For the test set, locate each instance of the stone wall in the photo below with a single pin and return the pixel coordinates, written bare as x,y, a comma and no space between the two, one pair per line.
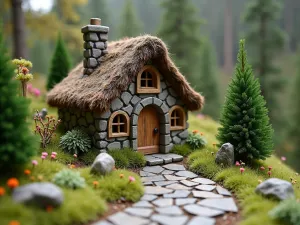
96,124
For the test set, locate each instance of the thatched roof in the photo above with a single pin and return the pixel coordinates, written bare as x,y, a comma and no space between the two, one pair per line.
118,68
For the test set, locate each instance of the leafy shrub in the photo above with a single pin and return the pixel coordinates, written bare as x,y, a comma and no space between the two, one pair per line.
75,141
183,150
195,141
287,212
127,158
69,179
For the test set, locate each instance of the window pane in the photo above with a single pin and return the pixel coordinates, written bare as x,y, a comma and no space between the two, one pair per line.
150,83
115,128
178,122
122,118
172,122
143,83
122,128
144,75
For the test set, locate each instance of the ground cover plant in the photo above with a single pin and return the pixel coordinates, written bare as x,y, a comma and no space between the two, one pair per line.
127,158
183,150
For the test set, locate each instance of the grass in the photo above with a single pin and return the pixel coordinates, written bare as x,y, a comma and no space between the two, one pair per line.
127,158
183,150
255,208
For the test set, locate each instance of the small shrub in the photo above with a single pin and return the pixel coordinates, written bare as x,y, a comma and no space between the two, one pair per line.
127,158
183,150
69,179
287,212
195,141
75,141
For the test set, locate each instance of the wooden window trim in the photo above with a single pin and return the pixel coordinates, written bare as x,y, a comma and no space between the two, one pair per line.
148,90
110,124
183,119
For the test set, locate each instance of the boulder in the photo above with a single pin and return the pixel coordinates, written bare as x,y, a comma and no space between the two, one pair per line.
103,164
42,194
276,188
225,155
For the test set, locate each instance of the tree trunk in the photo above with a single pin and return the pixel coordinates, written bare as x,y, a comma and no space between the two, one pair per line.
19,36
228,38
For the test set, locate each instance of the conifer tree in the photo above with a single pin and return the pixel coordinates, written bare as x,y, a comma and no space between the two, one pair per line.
17,142
130,25
244,119
60,64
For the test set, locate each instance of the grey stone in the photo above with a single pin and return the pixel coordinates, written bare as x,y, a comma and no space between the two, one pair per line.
82,122
174,133
94,28
134,119
153,169
164,108
126,97
224,204
40,194
188,183
114,145
153,178
165,157
172,92
134,130
204,187
205,194
276,188
144,96
92,63
223,191
116,104
157,102
169,220
166,148
138,108
88,45
135,99
163,85
131,88
134,144
100,45
178,187
103,36
225,155
201,180
106,115
126,144
170,210
199,220
184,134
165,183
171,101
96,52
187,174
173,166
122,218
147,101
163,202
143,204
101,125
102,135
91,129
165,128
90,37
101,144
202,211
176,140
143,212
148,183
165,139
89,117
152,161
175,157
163,95
87,71
103,164
176,178
128,109
105,51
157,190
167,172
185,201
178,194
149,198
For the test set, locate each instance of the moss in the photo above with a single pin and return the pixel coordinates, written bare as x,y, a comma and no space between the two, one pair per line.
127,158
183,150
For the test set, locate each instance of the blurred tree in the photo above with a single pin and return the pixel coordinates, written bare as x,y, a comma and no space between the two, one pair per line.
39,56
129,24
60,64
228,37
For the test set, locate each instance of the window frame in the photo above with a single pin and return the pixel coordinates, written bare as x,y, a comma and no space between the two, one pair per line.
183,119
155,75
111,134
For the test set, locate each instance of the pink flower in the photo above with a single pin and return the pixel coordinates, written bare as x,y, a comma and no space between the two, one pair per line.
237,163
53,156
131,179
43,157
44,154
29,87
270,168
262,168
34,162
283,158
242,170
54,153
36,92
269,173
75,155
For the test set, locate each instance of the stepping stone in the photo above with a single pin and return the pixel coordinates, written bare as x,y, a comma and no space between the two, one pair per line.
170,210
185,201
187,174
203,181
167,172
122,218
146,174
178,194
152,161
171,177
178,187
225,204
175,157
147,183
154,178
169,220
188,183
149,198
199,220
223,191
157,190
163,202
202,211
206,194
143,204
139,212
102,223
165,157
175,167
153,169
165,183
204,187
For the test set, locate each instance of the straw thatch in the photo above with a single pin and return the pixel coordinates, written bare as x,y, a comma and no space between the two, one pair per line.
117,70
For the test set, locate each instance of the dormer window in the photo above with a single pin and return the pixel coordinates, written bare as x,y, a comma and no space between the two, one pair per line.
148,80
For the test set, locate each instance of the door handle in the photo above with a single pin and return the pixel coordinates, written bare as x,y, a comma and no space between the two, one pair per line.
155,130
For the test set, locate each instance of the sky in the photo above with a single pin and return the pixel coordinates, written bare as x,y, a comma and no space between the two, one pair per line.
43,5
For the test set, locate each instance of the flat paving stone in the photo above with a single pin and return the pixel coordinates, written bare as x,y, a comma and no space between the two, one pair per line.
178,194
147,183
205,187
153,169
152,161
143,204
225,204
175,167
206,194
165,183
163,202
122,218
202,211
201,180
172,177
102,223
167,172
165,157
199,220
187,174
223,191
175,157
153,178
143,212
169,220
149,198
188,183
185,201
170,210
157,190
178,187
146,174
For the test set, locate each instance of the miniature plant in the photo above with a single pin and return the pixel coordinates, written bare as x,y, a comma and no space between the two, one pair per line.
183,150
46,128
75,141
195,141
69,179
22,73
127,158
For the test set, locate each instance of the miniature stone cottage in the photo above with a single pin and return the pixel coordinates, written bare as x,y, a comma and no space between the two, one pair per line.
126,93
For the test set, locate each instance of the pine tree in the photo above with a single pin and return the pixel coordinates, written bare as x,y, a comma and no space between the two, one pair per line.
18,143
60,64
244,119
180,30
130,25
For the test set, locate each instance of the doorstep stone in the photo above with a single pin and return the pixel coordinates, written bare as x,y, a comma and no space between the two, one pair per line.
152,161
175,167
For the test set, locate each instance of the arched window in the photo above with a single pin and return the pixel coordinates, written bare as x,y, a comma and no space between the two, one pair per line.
118,125
177,118
148,80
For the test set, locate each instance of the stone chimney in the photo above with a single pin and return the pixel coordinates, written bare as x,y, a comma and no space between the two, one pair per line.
95,45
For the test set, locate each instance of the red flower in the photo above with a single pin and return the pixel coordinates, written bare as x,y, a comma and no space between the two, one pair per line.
242,170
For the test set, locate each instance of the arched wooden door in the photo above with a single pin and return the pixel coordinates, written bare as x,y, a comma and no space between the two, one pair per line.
148,131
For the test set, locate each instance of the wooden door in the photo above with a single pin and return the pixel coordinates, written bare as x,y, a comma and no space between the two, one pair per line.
148,131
